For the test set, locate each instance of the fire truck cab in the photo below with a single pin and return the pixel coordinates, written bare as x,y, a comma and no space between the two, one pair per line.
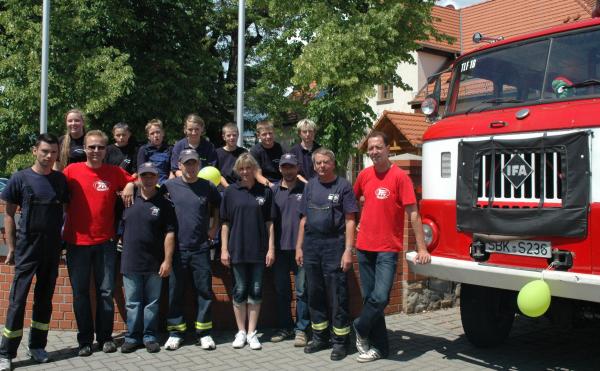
511,177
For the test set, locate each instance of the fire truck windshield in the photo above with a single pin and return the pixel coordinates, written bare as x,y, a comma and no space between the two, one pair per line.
557,67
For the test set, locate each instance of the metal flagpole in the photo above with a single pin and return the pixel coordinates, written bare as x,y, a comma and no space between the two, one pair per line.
240,70
44,82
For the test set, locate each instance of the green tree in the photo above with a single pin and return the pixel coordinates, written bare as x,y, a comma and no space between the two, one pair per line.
332,54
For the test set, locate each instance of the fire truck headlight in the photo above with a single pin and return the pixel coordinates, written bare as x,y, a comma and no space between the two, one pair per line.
430,233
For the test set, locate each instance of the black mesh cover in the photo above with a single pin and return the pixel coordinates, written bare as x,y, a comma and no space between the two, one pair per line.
570,220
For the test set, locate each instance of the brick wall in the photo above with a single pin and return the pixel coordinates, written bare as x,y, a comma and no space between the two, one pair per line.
223,318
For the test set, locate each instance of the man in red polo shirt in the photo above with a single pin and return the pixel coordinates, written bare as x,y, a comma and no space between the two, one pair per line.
388,193
89,232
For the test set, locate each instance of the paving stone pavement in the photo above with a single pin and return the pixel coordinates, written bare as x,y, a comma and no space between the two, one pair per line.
428,341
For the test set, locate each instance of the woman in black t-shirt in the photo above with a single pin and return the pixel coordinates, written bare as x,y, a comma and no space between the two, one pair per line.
71,144
247,245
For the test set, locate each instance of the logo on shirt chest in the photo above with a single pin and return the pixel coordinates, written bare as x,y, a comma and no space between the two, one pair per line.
299,197
154,211
260,200
101,185
333,197
382,193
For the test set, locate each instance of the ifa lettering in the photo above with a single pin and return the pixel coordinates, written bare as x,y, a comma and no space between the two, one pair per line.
517,170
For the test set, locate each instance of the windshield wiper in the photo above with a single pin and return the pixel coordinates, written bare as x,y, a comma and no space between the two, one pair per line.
583,84
494,101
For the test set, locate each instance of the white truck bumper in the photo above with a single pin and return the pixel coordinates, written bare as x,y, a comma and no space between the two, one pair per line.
562,284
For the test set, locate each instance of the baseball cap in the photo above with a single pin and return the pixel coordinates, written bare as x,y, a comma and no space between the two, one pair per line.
288,159
188,154
147,167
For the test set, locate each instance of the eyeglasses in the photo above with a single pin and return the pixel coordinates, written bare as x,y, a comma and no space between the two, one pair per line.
93,148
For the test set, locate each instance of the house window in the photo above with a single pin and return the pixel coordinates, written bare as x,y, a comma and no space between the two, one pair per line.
385,93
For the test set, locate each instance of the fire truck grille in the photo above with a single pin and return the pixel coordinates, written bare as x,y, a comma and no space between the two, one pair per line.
540,182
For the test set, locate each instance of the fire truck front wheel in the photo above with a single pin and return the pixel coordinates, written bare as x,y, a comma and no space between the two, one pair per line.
487,314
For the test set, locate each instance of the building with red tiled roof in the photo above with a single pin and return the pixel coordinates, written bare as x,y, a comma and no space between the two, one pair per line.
404,130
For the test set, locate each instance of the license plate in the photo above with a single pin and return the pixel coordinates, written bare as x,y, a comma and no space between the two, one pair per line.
538,249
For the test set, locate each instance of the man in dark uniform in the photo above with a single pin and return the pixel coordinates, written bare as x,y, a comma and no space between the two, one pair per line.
324,248
196,200
34,249
148,245
287,196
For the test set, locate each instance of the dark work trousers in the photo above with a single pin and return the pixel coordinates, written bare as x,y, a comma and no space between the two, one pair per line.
196,262
39,255
327,287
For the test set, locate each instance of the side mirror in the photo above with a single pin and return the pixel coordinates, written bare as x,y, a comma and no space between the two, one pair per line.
430,106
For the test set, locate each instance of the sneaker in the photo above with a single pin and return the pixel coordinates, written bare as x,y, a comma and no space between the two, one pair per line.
370,356
338,352
240,340
362,344
84,350
152,346
5,364
173,343
207,343
281,335
300,339
109,347
316,346
38,354
129,347
253,342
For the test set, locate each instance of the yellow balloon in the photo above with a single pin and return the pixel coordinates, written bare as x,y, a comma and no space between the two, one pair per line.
210,173
534,298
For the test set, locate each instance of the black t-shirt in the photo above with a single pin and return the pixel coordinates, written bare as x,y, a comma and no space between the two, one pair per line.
304,156
268,160
46,188
146,224
76,151
191,201
124,157
325,206
247,211
226,160
287,216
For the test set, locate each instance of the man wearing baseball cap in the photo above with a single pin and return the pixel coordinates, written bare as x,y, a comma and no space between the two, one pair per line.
148,245
287,195
196,200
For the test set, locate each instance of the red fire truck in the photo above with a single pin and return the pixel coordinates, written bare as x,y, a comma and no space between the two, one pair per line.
511,177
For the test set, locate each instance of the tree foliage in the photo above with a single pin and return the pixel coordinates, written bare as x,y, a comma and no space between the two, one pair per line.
133,60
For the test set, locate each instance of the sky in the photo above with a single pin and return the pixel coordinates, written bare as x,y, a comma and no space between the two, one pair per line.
458,3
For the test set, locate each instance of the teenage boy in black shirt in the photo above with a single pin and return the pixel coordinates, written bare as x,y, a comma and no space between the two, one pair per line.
267,153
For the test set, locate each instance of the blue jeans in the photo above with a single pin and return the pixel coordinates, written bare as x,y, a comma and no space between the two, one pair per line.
285,262
247,285
142,293
81,261
377,271
197,264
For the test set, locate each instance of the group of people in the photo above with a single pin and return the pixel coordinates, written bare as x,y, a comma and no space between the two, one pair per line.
284,210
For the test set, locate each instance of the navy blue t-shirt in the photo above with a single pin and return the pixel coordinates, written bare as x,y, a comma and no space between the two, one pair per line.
225,161
146,223
247,211
325,206
47,188
160,157
206,152
304,156
287,216
191,201
268,160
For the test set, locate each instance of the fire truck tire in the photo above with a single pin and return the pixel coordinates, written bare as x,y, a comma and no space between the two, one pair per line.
487,314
